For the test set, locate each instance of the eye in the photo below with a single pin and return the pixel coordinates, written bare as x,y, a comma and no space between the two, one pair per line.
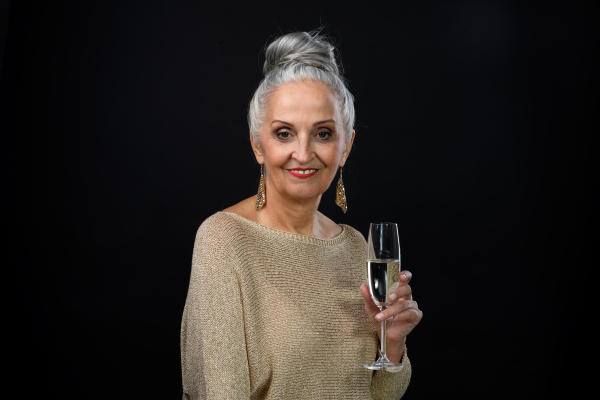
283,134
324,135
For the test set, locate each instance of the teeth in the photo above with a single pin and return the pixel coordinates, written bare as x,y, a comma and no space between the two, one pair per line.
308,171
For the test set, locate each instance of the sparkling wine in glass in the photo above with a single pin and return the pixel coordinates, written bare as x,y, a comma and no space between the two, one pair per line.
383,267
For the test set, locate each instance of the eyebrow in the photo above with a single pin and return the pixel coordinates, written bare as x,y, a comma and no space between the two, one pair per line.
316,123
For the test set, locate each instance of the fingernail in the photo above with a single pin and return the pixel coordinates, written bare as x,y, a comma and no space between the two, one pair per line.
393,296
379,316
392,317
404,277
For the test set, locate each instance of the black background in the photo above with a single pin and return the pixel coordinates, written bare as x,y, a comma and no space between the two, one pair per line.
126,129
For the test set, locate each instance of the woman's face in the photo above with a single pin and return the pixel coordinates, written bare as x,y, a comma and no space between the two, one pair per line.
302,142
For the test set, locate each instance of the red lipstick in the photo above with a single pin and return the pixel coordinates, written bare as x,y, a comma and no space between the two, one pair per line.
296,172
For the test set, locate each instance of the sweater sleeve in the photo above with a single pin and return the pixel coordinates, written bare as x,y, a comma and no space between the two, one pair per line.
213,346
391,385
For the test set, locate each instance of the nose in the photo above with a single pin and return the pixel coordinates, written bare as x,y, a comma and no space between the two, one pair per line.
303,151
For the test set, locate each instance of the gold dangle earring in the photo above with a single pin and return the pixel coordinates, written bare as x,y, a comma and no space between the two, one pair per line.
261,197
340,194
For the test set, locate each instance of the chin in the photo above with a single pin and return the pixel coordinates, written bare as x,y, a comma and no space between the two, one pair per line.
304,195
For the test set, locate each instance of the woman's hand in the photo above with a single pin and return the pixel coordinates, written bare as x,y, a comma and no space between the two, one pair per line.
402,316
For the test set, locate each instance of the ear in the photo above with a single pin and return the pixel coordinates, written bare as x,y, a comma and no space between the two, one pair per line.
347,150
257,150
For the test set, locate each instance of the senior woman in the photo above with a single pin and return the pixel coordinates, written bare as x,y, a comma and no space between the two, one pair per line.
276,306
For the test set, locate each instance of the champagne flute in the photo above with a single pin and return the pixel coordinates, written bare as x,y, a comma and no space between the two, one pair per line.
383,266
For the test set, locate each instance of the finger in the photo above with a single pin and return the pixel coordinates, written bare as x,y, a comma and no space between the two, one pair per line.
396,309
370,306
411,315
403,291
405,276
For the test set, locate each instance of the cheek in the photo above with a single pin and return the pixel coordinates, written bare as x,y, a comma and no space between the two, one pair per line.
275,156
334,156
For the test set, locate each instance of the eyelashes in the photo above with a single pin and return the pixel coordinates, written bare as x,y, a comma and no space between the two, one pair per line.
326,133
321,135
282,134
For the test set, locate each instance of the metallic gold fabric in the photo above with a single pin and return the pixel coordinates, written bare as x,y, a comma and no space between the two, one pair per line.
278,315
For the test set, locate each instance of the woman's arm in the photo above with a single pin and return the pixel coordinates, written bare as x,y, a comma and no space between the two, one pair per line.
213,347
391,385
402,316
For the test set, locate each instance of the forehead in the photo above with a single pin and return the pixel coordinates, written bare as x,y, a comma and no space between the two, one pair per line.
302,101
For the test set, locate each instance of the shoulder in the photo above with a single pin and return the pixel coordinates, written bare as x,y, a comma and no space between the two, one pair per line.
245,208
219,240
221,227
213,223
354,238
215,247
355,234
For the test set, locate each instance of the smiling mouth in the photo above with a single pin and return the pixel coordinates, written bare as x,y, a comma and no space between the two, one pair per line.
303,172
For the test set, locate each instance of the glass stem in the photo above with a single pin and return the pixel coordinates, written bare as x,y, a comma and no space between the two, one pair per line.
383,356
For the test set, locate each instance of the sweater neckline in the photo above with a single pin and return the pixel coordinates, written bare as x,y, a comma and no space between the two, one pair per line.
291,235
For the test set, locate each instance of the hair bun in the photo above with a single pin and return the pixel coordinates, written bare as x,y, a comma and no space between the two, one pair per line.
295,57
308,48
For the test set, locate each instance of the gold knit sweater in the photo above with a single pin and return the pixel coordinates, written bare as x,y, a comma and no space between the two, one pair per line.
278,315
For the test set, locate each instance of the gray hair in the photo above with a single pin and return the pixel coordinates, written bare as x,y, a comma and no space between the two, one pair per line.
295,57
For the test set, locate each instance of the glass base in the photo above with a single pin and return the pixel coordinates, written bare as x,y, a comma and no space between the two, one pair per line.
385,365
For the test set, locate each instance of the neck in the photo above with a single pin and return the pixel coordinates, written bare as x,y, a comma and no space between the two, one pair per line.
291,215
